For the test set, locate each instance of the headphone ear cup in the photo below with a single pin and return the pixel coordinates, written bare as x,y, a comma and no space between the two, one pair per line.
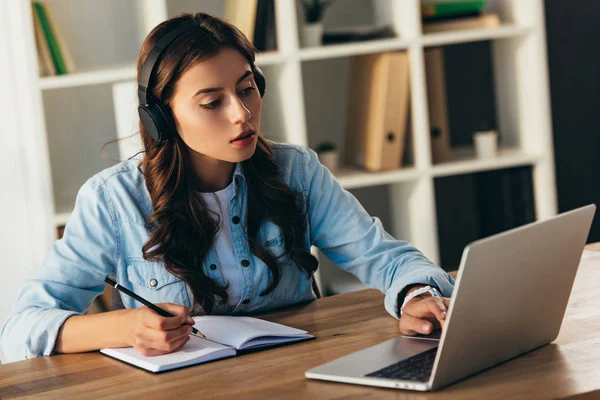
157,121
259,78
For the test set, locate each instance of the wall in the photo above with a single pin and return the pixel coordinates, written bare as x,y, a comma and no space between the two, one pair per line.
17,260
27,232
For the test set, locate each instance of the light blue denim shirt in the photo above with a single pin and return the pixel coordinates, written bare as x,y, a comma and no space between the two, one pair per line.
108,228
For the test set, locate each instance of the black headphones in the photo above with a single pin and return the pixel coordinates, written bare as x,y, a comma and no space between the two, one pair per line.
154,114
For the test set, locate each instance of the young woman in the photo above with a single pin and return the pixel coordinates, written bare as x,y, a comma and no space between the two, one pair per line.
214,219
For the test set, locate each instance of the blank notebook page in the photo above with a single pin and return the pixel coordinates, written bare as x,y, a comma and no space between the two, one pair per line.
239,332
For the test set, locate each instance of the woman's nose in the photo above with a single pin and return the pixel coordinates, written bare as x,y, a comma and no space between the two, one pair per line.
240,113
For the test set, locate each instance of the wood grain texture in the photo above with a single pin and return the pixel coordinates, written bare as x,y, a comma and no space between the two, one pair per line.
342,324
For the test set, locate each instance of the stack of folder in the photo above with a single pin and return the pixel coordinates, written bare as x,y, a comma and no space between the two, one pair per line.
437,104
377,114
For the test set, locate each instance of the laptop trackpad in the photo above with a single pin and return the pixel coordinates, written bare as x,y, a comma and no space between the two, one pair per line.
376,357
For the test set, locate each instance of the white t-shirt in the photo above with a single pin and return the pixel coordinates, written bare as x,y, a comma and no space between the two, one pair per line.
218,202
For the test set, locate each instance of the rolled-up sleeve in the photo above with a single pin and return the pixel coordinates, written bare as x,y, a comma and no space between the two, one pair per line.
69,278
358,243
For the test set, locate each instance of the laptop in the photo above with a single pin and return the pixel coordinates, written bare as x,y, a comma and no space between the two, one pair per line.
510,297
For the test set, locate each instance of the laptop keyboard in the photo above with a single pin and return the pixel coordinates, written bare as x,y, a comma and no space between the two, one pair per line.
415,368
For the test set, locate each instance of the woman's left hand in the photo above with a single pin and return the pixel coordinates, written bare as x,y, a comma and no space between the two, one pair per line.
423,314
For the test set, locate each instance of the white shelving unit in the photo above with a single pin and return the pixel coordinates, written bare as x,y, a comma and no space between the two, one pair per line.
305,103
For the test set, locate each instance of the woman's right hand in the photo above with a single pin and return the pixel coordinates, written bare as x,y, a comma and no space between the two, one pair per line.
152,334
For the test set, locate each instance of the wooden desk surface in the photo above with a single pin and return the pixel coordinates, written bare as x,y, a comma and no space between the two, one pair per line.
342,324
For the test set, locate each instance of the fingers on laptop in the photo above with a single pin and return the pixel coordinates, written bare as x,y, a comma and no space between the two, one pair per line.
424,315
412,326
427,306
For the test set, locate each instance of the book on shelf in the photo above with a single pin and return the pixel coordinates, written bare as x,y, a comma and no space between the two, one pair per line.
476,205
457,215
45,61
226,336
60,38
505,199
432,10
242,14
377,110
437,104
357,34
265,35
54,39
487,20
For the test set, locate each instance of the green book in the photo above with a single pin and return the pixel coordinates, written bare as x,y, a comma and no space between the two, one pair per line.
451,9
59,62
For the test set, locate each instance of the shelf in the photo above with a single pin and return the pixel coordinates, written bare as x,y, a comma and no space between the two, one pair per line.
473,35
465,161
126,72
271,57
308,96
351,177
84,78
351,49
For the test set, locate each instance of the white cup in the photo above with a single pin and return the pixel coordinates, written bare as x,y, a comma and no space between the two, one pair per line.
486,144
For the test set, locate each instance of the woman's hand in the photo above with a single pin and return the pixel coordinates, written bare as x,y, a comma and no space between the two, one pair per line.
423,314
152,334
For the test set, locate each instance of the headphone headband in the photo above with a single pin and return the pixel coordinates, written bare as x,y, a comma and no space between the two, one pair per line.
152,59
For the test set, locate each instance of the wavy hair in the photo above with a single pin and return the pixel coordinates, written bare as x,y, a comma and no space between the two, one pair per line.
183,228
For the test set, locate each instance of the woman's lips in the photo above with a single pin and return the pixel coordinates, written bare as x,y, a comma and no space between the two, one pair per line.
245,141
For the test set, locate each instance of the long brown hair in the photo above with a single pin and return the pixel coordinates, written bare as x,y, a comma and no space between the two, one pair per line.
183,229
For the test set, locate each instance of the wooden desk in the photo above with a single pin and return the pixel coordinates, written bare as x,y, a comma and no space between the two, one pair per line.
342,324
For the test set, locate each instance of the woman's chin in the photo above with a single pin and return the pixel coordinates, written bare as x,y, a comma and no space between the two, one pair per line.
245,153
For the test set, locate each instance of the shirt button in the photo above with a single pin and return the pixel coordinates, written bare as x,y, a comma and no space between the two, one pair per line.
235,220
213,266
246,301
153,282
245,263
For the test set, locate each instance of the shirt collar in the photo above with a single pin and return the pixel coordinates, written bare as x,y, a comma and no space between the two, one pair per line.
239,178
239,170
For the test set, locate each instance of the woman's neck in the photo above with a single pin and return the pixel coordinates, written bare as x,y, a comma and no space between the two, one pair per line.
213,175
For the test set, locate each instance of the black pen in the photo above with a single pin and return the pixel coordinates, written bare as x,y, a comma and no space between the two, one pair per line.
145,302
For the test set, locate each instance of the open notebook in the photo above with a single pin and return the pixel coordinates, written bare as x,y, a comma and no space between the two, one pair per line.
226,335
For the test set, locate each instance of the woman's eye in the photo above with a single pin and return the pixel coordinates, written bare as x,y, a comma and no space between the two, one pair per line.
246,91
212,105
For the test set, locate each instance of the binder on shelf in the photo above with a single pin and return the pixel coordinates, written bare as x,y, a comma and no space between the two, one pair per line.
242,14
505,199
265,36
377,111
486,20
437,105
